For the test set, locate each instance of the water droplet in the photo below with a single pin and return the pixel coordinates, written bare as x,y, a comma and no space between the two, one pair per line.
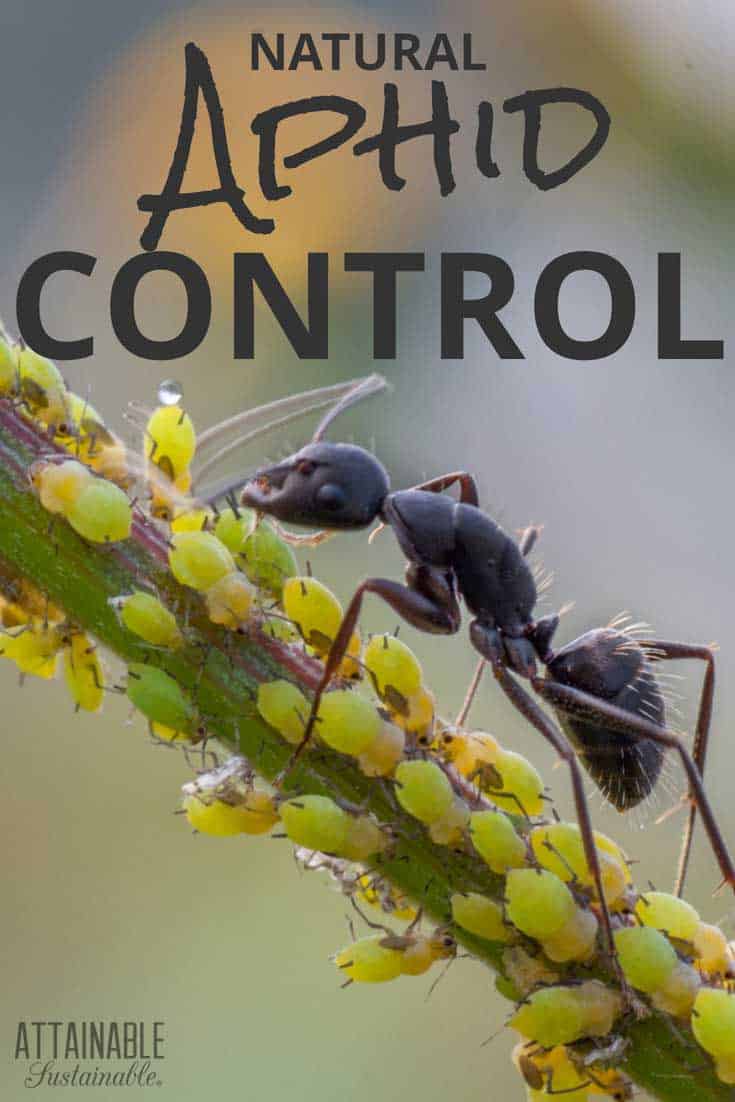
170,392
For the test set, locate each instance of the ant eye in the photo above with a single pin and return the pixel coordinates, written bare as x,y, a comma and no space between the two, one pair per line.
305,467
330,497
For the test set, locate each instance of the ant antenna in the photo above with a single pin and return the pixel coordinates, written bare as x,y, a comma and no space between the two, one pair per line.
366,388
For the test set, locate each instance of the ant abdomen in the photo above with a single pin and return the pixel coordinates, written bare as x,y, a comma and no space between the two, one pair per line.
612,666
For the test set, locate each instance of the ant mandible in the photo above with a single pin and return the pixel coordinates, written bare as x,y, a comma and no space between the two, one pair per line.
602,686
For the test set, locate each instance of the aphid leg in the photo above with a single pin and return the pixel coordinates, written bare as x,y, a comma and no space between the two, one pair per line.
576,702
662,648
368,922
428,603
535,715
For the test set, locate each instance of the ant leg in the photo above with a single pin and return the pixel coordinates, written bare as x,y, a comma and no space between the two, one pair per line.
663,649
471,694
302,539
467,492
535,715
578,703
467,486
427,602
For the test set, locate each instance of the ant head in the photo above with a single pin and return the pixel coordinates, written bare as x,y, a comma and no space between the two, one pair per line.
602,662
323,485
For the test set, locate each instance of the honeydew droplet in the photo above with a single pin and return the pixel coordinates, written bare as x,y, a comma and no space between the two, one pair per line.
170,392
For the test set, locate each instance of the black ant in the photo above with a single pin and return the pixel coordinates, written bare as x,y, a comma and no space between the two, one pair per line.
602,686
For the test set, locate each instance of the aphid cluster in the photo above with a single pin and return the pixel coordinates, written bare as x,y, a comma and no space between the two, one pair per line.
564,887
34,635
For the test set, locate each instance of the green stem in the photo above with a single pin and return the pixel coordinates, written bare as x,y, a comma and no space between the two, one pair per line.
222,672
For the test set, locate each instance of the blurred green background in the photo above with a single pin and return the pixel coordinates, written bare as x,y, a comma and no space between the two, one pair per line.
113,909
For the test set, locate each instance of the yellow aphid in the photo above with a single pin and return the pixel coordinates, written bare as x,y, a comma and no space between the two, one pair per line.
192,520
382,894
420,718
385,752
423,790
170,440
284,707
233,528
34,650
255,813
314,609
520,790
369,961
711,950
576,940
646,956
12,613
198,559
558,847
526,971
230,600
561,1015
59,485
668,913
451,828
549,1071
169,734
83,673
88,439
42,388
364,839
316,822
713,1021
725,1068
84,420
107,457
169,496
552,1016
101,513
160,697
394,670
507,777
146,617
676,996
349,667
497,841
268,561
347,722
422,951
480,916
467,751
36,603
538,902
